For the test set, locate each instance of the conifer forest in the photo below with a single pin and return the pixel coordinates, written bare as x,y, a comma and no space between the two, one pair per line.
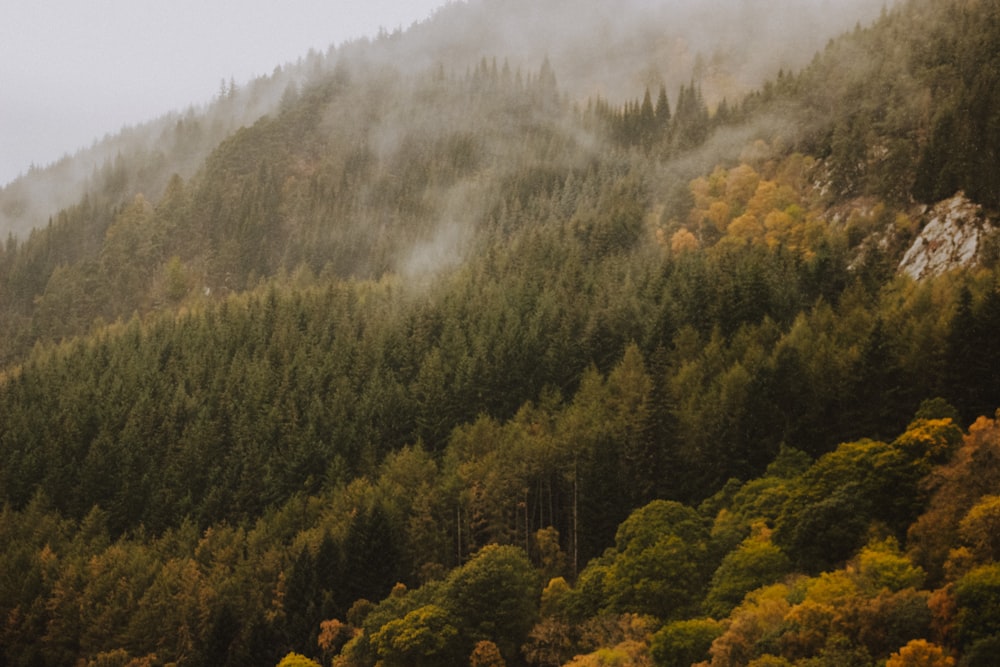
414,354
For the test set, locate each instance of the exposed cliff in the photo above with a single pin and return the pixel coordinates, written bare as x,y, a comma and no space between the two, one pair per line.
952,237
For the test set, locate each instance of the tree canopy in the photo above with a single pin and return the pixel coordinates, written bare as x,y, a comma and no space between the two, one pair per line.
426,367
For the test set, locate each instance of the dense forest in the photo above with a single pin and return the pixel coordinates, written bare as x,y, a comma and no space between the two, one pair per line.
451,364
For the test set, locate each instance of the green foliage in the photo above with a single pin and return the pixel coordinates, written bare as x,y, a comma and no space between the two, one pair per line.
930,440
982,653
659,568
828,516
683,643
363,359
756,562
425,636
977,595
880,565
495,596
138,588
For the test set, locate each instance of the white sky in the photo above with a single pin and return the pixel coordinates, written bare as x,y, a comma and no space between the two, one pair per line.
72,71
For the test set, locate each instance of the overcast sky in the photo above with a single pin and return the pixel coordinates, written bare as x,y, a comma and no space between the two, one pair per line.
72,71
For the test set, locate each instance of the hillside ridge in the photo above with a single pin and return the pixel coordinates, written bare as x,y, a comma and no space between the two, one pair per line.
437,363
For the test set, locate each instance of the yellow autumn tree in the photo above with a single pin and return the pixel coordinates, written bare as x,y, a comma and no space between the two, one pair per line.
683,241
719,214
297,660
980,528
486,654
920,653
780,229
746,227
762,612
741,185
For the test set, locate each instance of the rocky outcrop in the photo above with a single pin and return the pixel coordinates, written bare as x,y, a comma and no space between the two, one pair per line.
951,239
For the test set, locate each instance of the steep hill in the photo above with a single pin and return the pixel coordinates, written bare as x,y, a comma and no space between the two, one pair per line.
449,322
601,50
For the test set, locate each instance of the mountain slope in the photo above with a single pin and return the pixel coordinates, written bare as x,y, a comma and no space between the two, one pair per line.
614,53
430,334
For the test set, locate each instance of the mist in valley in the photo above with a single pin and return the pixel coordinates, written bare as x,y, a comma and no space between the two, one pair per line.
612,51
615,50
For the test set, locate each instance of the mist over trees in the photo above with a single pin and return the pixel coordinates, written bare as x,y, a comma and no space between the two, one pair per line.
606,50
449,358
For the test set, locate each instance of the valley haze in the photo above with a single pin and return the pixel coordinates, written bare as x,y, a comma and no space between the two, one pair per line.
72,73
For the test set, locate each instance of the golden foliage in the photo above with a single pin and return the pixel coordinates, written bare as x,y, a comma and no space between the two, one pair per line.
920,653
297,660
486,654
742,204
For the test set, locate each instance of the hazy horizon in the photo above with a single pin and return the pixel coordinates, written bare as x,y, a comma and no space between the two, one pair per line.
72,73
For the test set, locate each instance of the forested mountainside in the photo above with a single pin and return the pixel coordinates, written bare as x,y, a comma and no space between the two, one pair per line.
598,48
437,365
